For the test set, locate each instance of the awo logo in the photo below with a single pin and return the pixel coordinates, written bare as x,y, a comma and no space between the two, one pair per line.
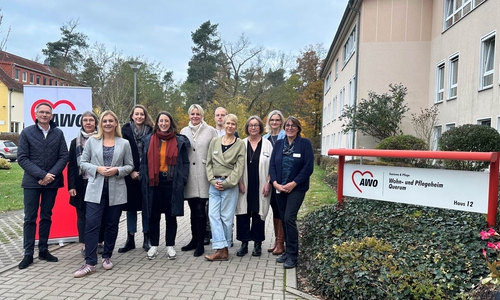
61,120
364,179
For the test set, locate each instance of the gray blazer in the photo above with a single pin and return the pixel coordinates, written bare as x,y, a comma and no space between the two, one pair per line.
92,157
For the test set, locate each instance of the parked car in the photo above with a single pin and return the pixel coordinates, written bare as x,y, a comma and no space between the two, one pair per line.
8,150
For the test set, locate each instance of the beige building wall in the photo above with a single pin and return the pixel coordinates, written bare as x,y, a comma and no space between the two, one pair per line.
404,41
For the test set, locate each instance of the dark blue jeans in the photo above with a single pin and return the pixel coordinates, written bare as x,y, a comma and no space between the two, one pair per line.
162,203
289,205
43,198
109,216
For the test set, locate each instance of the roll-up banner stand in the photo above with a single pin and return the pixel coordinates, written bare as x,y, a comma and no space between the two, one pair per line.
68,104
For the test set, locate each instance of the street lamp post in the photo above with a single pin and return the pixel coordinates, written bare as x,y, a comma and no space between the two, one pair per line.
135,65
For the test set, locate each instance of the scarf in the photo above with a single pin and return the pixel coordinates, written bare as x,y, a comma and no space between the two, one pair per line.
154,155
139,134
196,129
81,139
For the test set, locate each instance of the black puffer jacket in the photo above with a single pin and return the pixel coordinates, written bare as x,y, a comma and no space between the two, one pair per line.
39,155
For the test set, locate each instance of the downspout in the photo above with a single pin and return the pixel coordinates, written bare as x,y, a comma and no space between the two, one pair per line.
9,117
358,30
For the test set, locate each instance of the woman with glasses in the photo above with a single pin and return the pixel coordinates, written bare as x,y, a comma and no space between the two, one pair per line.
225,164
275,132
292,164
254,186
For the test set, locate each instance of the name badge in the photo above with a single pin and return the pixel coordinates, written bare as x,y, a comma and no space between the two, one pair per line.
266,154
216,152
296,155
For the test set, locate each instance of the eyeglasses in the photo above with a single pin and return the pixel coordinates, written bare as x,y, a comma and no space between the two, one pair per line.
253,126
291,126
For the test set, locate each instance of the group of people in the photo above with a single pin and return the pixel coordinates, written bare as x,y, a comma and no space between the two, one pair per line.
153,167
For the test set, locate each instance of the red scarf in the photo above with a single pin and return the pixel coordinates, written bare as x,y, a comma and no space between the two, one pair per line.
154,154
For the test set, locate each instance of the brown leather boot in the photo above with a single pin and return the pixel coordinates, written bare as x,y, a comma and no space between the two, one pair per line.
275,221
280,240
219,255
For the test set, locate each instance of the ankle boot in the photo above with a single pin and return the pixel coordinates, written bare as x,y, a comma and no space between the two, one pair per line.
219,255
190,246
147,243
257,249
200,237
200,249
280,240
276,225
243,249
129,244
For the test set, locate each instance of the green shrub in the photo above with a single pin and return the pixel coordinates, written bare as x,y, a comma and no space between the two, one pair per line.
371,249
4,164
403,142
469,138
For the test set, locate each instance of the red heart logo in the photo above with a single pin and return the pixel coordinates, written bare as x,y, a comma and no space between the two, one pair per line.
362,174
54,105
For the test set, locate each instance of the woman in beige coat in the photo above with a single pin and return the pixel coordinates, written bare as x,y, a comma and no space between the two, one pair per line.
254,197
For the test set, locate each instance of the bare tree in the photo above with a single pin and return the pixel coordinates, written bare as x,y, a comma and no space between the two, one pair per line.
424,123
4,40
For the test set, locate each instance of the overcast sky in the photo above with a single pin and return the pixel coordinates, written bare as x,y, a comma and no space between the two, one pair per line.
161,30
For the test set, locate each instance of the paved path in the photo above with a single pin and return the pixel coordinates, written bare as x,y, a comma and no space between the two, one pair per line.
136,277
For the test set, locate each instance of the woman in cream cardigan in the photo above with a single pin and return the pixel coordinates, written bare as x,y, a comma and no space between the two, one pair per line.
254,198
225,163
199,134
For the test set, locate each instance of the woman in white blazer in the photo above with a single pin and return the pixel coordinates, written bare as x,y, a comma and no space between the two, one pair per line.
254,186
107,159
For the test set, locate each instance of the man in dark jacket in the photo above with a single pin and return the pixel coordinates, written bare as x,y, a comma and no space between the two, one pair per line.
43,155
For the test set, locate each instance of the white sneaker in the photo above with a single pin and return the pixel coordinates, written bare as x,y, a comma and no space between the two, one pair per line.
153,252
171,253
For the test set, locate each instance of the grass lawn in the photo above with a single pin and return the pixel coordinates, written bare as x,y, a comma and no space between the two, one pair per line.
319,193
11,193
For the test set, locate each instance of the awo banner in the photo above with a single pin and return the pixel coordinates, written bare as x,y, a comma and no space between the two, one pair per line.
68,104
458,190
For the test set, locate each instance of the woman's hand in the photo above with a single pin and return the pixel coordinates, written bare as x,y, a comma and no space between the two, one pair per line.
242,187
107,171
72,192
267,189
288,188
218,185
134,175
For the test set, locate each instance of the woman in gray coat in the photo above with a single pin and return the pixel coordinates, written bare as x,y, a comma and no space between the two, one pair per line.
199,134
107,159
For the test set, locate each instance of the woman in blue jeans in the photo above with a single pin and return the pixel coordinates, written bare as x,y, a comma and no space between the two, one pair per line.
292,164
225,165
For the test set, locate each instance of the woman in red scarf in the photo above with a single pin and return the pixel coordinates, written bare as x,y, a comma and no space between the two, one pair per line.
164,171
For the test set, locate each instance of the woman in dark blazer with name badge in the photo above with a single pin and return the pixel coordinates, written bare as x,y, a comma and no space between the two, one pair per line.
107,159
292,164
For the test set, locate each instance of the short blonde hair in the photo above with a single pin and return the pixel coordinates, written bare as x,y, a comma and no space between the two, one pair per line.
199,108
231,117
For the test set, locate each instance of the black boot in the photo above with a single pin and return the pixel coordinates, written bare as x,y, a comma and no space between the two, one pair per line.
129,244
208,236
147,243
243,249
257,249
200,237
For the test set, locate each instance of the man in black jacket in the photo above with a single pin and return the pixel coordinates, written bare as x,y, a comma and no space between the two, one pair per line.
43,155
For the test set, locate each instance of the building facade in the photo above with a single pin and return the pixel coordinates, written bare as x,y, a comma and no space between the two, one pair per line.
443,51
15,72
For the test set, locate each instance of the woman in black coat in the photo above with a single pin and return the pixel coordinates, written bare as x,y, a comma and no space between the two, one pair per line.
77,182
139,126
164,173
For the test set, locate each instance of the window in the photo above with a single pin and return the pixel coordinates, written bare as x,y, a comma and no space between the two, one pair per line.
485,122
350,46
51,81
37,79
14,127
334,108
487,61
449,126
16,74
436,135
439,83
328,82
44,81
337,68
32,78
351,91
453,80
25,76
341,100
498,123
454,10
333,141
56,82
339,139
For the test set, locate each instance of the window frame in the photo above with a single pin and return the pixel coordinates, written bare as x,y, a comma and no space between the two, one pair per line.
453,65
487,50
350,45
440,73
